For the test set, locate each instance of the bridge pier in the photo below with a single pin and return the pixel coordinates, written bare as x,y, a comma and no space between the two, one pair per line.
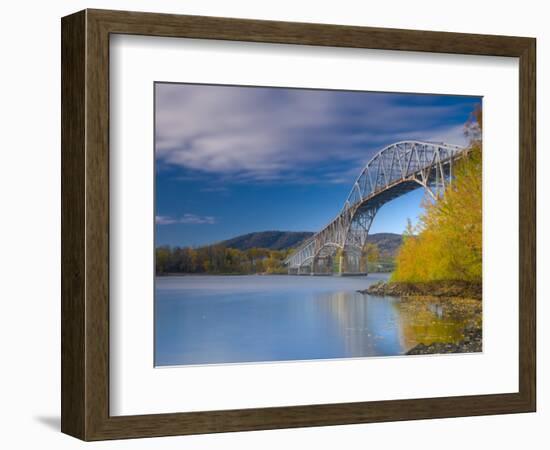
350,265
343,263
321,266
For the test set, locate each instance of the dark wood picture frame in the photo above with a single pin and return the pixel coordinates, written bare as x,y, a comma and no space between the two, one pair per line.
85,224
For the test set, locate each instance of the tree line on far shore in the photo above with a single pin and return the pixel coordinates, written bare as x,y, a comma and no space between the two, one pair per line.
221,260
218,259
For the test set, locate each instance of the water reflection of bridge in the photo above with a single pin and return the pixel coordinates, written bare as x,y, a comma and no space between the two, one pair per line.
394,171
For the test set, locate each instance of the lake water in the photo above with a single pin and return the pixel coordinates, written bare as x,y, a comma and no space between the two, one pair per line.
235,319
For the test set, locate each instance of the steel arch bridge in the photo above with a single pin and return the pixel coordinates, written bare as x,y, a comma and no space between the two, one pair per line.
395,170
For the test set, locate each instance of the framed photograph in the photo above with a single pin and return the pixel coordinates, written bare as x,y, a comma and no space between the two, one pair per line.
271,224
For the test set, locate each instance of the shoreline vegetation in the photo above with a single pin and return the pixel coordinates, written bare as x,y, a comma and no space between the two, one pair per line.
218,260
261,252
447,242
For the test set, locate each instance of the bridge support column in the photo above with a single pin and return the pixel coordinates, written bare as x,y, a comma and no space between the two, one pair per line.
350,265
342,263
322,265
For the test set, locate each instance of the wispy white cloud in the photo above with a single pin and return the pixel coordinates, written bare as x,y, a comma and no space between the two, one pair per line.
452,135
165,220
186,219
277,135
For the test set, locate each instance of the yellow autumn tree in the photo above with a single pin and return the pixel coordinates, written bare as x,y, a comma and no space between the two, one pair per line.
447,244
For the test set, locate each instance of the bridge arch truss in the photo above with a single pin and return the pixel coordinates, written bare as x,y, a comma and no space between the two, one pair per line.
394,171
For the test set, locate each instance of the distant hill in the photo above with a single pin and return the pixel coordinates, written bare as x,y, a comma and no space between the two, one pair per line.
273,240
388,243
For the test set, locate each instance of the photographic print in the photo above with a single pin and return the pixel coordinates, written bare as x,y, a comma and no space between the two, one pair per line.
305,224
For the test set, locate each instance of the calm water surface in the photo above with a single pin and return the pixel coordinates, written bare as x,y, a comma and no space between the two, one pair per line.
230,319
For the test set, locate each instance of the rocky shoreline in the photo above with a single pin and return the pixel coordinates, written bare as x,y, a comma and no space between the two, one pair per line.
453,296
472,343
449,289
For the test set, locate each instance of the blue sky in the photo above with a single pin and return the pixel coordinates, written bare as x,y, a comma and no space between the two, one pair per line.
233,160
